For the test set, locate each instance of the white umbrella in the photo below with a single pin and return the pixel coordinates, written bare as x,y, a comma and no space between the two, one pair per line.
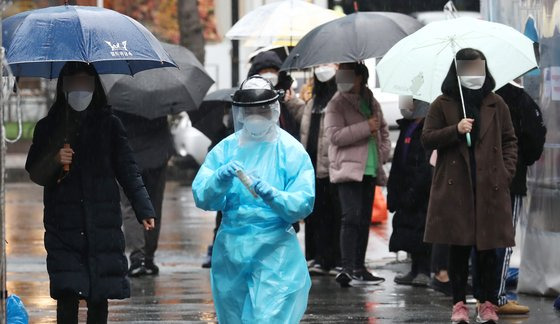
418,64
281,23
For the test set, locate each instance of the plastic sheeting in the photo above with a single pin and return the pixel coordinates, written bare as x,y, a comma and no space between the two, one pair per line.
540,222
259,273
15,311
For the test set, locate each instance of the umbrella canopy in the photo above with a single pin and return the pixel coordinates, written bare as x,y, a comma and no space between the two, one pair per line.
418,64
209,118
353,38
223,95
39,42
281,23
161,92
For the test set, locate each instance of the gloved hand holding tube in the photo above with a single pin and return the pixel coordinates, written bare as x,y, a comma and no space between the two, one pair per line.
247,182
264,190
227,172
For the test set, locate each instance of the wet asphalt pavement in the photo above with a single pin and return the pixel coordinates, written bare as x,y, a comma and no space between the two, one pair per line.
181,293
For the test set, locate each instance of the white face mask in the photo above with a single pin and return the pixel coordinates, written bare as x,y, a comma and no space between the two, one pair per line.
407,113
257,126
473,82
79,100
325,73
345,87
272,77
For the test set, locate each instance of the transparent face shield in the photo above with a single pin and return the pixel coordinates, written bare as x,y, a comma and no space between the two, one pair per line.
256,123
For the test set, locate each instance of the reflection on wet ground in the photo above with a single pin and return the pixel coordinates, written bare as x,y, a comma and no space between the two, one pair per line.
181,294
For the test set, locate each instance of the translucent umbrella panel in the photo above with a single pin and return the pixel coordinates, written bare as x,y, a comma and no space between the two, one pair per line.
418,64
282,23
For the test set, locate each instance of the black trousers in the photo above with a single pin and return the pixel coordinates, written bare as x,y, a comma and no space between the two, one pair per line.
420,263
356,202
485,271
322,227
440,257
67,309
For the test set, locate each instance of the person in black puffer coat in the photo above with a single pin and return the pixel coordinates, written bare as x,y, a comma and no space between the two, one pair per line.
82,215
408,192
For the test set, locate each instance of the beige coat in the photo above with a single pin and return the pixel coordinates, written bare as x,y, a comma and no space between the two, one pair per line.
453,217
349,133
322,168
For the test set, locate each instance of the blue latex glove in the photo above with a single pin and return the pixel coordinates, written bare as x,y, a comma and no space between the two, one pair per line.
227,172
264,190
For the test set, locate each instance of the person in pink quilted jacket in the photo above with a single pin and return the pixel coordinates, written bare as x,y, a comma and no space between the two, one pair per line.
359,146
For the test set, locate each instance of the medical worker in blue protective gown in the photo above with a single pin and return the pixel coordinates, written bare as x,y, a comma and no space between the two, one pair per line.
259,273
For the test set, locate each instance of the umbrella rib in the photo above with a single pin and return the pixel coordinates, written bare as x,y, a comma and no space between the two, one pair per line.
81,29
143,35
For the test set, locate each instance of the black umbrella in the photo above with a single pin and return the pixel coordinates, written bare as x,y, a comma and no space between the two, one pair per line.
209,118
353,38
161,92
223,95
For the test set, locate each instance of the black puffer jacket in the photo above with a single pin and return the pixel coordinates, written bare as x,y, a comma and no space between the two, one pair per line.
530,131
82,215
408,192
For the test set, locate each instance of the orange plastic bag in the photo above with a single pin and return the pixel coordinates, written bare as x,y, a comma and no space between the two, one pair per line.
379,213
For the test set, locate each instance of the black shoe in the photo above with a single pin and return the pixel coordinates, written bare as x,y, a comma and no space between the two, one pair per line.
405,279
442,287
151,268
421,280
344,279
364,277
137,269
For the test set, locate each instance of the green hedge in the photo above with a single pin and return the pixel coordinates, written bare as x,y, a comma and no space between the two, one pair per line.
12,130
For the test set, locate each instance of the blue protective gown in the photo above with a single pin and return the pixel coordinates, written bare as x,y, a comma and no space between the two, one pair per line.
259,273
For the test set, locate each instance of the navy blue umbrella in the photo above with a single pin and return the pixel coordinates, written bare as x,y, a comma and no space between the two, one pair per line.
39,42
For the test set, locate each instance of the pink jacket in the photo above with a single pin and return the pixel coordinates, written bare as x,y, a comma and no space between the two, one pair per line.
348,132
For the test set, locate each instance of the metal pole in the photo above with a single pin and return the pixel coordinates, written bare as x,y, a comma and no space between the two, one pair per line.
3,291
100,3
234,45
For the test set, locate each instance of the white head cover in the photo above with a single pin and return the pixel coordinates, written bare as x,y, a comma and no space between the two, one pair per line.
256,122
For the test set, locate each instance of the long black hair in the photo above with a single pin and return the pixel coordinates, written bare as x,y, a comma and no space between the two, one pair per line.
450,85
322,92
99,100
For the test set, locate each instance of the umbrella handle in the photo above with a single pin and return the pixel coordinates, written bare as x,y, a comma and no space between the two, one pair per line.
66,167
468,135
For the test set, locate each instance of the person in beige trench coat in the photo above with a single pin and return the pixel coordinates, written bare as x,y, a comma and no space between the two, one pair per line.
470,200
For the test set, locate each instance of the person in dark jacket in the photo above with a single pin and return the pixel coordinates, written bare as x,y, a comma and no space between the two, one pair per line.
408,193
79,152
531,135
225,129
267,64
152,145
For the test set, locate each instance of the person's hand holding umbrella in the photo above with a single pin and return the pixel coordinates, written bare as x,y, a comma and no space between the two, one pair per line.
64,157
465,126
